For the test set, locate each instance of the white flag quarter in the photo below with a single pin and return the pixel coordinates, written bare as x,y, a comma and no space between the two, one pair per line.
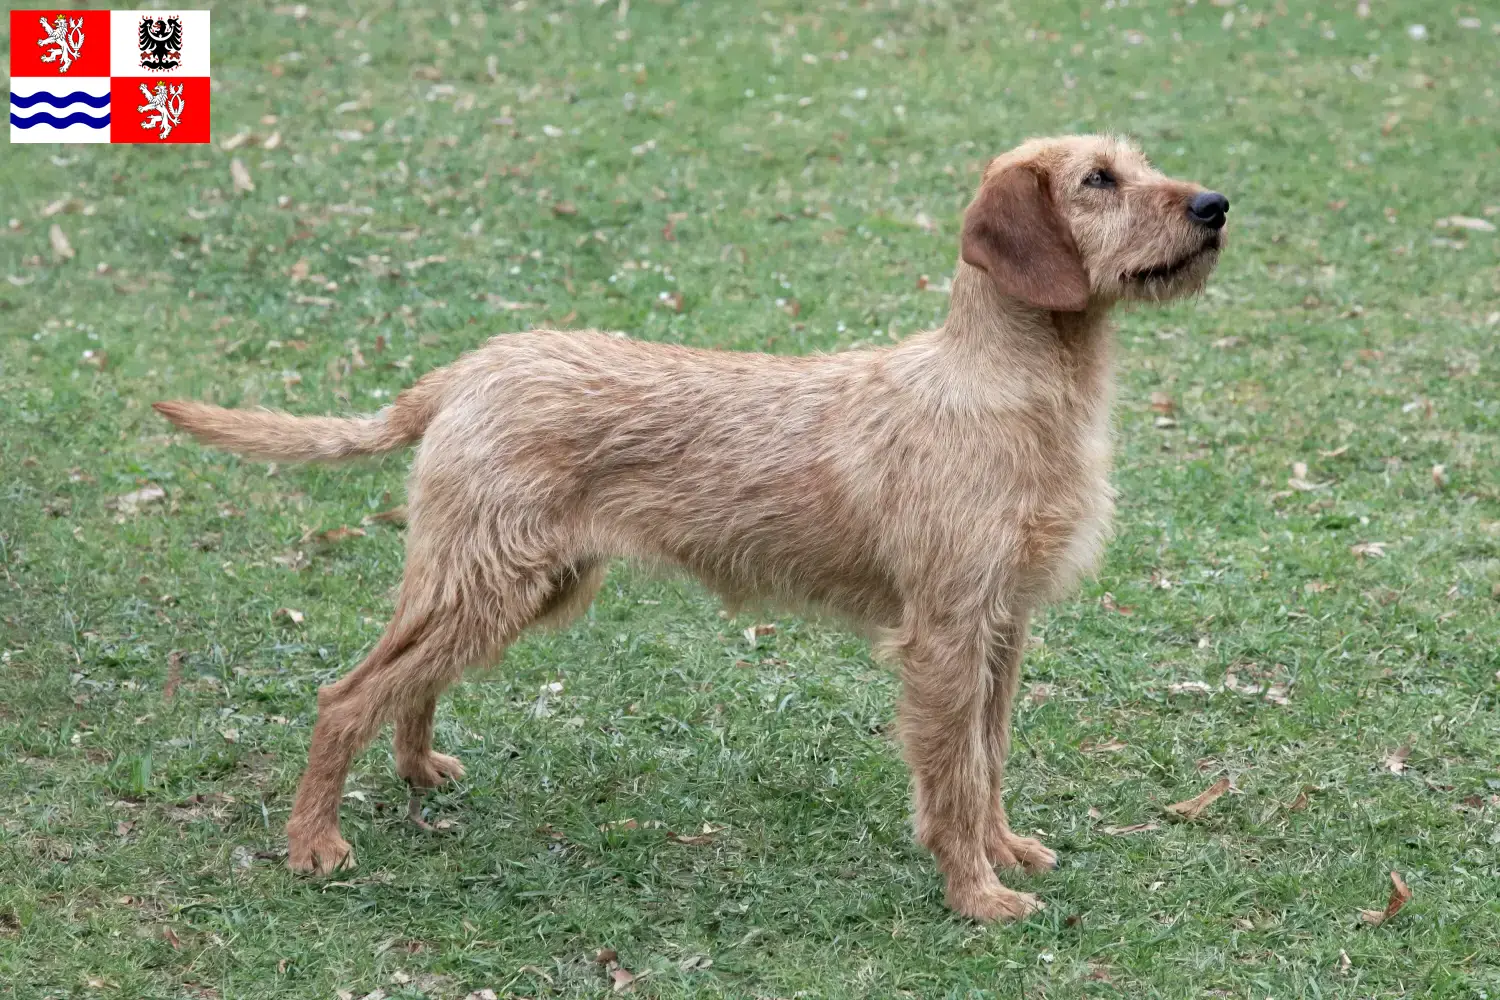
164,43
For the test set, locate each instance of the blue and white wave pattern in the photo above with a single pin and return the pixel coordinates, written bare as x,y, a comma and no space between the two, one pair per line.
44,109
66,104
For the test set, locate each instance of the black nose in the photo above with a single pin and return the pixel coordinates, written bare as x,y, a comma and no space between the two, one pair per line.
1207,209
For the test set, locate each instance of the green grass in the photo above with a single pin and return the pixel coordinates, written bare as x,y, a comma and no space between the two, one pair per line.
778,165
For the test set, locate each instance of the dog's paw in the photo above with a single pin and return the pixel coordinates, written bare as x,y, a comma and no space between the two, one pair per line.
318,853
1007,850
990,901
429,770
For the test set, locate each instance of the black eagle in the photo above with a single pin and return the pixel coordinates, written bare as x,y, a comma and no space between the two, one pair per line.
161,42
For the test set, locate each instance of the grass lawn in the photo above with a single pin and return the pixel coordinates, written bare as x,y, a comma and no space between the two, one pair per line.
1302,591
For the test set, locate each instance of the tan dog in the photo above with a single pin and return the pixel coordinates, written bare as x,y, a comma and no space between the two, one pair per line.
937,491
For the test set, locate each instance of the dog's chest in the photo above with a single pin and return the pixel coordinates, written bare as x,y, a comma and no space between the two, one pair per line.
1060,510
1091,500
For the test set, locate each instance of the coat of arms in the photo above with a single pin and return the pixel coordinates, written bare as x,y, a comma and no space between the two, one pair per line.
167,102
160,39
66,35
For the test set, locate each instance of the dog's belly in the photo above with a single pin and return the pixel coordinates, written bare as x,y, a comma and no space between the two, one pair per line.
775,543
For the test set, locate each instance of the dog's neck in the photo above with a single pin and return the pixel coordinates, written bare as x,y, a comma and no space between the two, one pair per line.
1000,349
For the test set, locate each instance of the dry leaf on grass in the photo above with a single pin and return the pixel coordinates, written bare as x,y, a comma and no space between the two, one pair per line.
1466,222
1162,403
290,614
61,249
622,978
1300,482
1120,831
1375,550
1190,687
1395,761
696,839
396,515
754,633
131,503
174,675
1037,694
695,963
240,174
1400,896
629,823
1276,694
1192,808
1344,963
1108,746
62,205
413,266
292,560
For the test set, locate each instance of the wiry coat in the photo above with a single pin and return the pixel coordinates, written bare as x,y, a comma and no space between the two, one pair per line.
936,491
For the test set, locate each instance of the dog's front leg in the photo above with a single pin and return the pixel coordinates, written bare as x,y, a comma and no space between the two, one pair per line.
1003,846
945,688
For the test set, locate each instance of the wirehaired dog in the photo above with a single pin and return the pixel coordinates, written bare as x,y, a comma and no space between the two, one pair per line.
935,491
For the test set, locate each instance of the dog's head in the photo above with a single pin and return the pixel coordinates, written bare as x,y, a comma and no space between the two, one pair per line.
1061,223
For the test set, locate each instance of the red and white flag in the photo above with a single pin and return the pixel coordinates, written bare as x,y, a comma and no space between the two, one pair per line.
109,76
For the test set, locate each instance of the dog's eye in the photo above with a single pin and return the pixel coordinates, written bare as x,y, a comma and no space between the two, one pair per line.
1099,179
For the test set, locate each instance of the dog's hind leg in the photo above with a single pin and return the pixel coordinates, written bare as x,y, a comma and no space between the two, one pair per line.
571,591
417,763
441,626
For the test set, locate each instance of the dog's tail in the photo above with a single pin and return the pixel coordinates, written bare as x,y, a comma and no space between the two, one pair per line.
282,437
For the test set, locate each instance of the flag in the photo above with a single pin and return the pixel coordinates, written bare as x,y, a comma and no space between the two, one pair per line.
109,76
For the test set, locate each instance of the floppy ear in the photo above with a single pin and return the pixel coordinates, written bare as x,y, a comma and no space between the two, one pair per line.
1013,233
